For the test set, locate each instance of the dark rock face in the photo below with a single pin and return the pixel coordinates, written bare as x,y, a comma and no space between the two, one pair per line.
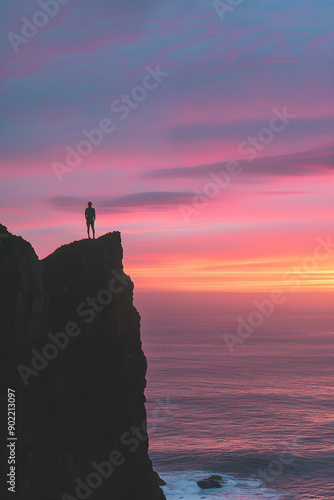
159,480
73,354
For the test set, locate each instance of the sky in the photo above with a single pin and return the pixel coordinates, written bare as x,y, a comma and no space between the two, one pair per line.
202,130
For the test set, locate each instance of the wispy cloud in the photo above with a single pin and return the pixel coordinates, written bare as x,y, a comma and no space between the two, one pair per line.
302,163
150,200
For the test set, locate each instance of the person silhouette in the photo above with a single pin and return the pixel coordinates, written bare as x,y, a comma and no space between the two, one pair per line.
90,218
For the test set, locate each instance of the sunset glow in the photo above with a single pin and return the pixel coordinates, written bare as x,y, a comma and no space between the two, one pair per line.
219,171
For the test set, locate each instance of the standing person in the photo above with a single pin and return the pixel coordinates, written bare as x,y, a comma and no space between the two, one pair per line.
90,218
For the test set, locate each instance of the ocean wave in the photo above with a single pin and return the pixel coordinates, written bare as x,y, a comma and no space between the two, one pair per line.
183,485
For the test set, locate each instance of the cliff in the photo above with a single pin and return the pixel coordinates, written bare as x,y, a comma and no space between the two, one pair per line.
71,351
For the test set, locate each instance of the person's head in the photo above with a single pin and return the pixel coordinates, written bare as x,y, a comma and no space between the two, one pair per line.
89,203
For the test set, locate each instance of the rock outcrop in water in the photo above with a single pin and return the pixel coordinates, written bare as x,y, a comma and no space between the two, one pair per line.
71,350
210,482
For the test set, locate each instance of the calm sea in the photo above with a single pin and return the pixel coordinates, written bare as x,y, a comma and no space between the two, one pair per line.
261,417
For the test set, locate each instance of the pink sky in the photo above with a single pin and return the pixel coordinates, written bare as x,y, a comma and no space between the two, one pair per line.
224,83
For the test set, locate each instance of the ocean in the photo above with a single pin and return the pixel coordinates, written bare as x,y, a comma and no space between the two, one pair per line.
259,413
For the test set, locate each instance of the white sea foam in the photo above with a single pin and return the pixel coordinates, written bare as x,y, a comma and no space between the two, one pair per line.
183,485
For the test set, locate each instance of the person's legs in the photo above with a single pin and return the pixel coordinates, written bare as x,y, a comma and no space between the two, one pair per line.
88,229
93,229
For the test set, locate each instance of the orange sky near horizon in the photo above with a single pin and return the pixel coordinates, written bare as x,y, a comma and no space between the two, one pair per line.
190,276
218,171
